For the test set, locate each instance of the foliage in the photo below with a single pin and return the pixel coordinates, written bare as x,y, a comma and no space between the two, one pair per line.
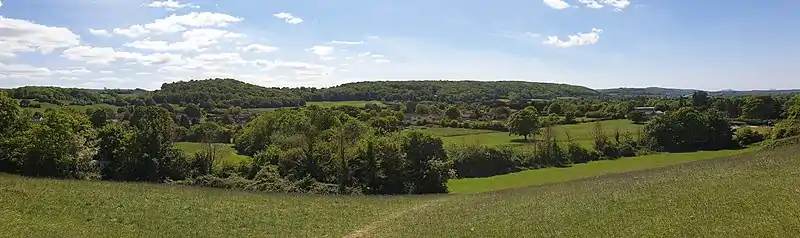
746,136
688,130
786,129
637,117
524,122
224,93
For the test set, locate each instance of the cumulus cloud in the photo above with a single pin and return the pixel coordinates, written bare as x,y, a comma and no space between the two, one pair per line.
576,40
288,18
259,48
336,42
177,23
193,40
616,4
73,71
25,36
23,71
171,5
324,52
100,32
556,4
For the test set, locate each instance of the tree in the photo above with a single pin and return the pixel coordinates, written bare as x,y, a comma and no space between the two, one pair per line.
524,122
346,136
422,109
555,108
636,116
151,143
428,169
193,111
700,99
793,110
59,146
113,140
453,113
101,116
758,107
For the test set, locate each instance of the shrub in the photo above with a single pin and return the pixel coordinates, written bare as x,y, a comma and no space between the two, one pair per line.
746,136
471,161
785,129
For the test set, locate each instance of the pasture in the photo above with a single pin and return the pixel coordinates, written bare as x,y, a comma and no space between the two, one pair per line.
749,194
229,156
580,133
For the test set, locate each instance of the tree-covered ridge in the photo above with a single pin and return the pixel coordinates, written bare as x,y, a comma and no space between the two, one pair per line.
448,91
226,92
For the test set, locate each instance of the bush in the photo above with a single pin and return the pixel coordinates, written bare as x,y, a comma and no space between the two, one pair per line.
595,114
746,136
471,161
786,129
580,155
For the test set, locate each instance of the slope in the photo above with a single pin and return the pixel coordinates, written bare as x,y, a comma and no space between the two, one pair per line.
753,194
746,195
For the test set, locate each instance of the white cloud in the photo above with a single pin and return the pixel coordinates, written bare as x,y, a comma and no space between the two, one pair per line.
322,51
336,42
382,61
96,55
259,47
618,5
178,23
25,36
73,71
288,18
591,3
100,32
105,72
576,40
171,5
193,40
556,4
23,71
1,4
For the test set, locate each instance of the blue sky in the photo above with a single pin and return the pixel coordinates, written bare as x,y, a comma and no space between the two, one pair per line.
708,44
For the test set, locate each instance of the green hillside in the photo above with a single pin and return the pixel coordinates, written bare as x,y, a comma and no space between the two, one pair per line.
746,195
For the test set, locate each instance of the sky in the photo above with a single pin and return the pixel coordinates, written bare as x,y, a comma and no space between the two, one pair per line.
708,44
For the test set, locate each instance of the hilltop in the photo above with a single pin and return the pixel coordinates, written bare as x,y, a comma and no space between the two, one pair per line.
231,92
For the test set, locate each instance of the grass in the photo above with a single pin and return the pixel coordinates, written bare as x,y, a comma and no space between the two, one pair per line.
580,133
229,156
48,208
745,195
577,171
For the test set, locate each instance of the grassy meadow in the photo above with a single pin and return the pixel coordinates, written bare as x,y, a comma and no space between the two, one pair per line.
741,195
229,155
580,133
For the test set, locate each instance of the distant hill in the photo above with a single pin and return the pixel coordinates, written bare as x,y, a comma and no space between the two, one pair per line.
674,92
647,92
448,91
226,92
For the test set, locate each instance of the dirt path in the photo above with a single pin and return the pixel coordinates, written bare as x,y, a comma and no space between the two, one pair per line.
369,229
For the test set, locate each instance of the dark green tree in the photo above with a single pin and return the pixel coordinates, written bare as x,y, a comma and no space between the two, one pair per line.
524,122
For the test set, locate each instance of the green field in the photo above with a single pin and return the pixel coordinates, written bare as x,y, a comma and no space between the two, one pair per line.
580,133
229,155
745,195
578,171
344,103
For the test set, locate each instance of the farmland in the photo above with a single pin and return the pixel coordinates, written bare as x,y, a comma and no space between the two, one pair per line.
580,133
714,197
228,155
